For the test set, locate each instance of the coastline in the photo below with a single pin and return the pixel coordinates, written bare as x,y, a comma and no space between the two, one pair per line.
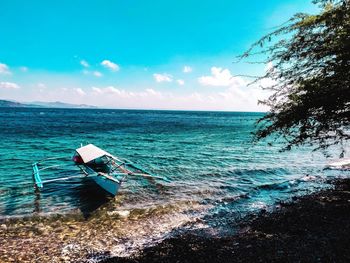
312,228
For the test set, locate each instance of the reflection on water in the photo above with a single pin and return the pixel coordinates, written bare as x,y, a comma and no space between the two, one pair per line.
89,197
86,194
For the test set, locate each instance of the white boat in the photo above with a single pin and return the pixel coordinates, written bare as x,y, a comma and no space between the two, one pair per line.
342,164
105,169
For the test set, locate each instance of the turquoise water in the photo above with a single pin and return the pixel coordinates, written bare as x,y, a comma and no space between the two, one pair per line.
208,157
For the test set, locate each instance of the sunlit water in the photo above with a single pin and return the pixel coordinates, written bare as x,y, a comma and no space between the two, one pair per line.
215,173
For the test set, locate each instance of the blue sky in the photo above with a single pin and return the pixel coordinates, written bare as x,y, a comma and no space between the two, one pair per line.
135,54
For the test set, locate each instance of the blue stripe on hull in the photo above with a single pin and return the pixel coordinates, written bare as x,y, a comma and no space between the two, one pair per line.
108,185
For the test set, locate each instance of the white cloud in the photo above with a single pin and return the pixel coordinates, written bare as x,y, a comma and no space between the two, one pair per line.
97,74
180,82
84,63
94,73
232,98
9,85
163,77
41,86
269,67
107,90
23,69
153,92
187,69
97,90
113,92
266,83
4,69
110,65
80,92
221,77
245,98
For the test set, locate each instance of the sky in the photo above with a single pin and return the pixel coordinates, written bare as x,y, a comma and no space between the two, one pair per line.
137,54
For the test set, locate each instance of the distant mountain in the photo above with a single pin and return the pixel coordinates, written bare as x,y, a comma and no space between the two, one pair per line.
36,104
14,104
58,104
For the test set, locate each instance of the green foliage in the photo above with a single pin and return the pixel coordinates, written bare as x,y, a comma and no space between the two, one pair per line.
311,95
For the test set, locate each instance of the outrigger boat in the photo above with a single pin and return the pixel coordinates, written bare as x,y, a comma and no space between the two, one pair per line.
105,169
342,164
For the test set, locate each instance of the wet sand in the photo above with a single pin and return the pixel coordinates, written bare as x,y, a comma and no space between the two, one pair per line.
314,228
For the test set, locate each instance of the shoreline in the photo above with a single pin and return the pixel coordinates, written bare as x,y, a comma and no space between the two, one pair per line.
314,227
311,228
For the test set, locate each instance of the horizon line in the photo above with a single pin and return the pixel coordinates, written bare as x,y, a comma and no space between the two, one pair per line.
94,107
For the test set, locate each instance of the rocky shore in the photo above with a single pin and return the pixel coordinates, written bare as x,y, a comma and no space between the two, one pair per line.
314,228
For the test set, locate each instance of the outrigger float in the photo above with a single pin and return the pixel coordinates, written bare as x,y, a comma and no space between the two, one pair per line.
105,169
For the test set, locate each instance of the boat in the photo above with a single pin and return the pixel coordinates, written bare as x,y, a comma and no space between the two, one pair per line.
107,170
342,164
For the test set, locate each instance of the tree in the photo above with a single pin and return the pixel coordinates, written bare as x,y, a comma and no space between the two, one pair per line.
311,93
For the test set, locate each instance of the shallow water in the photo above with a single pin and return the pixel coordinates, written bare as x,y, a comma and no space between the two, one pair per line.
214,171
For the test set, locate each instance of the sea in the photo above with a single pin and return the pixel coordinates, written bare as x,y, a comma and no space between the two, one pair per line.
214,174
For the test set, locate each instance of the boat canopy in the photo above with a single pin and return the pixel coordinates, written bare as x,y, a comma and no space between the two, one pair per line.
91,152
340,164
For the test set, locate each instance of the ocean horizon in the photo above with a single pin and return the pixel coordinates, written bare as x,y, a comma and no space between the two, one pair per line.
131,109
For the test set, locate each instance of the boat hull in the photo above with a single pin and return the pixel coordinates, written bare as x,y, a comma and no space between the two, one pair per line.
108,185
